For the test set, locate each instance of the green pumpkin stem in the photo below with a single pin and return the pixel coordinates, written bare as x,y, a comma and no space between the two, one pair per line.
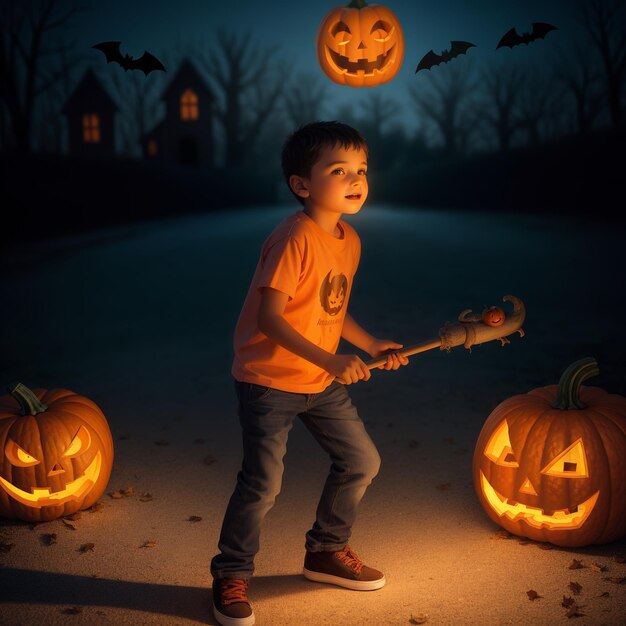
568,391
357,4
30,403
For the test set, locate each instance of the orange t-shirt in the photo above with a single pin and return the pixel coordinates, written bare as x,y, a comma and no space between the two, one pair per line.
316,270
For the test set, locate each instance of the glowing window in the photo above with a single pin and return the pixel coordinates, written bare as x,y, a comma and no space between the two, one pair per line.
91,128
189,105
153,148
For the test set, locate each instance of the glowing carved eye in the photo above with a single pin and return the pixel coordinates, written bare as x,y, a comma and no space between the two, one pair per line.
571,463
17,456
341,33
80,443
381,31
498,447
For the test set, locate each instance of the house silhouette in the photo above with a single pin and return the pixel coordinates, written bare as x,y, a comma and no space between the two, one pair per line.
90,112
185,135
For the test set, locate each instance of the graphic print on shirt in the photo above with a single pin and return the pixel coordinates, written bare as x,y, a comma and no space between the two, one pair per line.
333,293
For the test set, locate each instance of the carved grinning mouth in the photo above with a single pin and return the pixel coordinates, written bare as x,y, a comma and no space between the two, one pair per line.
362,65
73,491
564,519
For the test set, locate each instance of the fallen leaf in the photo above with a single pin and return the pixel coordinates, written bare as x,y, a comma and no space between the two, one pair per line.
116,495
567,601
146,497
616,579
73,517
443,486
418,619
576,564
148,544
574,611
72,610
49,538
199,440
194,518
533,595
413,444
545,546
129,491
597,567
94,508
162,442
68,524
5,547
209,460
604,594
575,588
87,547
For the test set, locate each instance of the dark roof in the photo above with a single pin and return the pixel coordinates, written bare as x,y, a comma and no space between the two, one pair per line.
187,75
89,92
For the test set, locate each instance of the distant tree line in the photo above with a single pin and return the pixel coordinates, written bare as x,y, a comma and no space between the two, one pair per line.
459,109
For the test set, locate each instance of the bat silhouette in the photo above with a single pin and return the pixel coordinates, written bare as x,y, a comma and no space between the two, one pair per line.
430,58
511,38
146,63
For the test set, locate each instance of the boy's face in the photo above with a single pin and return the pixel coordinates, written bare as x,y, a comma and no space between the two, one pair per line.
338,181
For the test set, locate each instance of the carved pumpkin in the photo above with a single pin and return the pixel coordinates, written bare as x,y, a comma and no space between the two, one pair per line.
333,293
493,316
360,45
56,453
549,464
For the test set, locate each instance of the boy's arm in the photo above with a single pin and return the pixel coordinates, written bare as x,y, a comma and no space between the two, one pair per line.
349,367
360,338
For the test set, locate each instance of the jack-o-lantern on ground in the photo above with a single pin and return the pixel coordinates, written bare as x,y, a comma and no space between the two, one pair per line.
56,453
360,45
551,464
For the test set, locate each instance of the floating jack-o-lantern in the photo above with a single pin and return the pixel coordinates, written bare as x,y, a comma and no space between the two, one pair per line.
56,453
360,45
549,464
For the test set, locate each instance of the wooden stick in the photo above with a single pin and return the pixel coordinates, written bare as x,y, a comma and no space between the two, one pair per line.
414,349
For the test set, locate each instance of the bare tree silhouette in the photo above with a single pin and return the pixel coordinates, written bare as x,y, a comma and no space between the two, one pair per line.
581,80
537,98
605,21
498,107
446,103
304,99
249,84
26,72
137,96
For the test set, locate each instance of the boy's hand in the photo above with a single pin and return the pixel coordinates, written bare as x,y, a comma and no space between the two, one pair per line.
348,367
380,346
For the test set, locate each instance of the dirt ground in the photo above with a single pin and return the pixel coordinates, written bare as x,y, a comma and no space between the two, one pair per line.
140,320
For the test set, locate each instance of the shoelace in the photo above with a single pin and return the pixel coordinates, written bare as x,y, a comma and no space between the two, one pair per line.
350,559
234,590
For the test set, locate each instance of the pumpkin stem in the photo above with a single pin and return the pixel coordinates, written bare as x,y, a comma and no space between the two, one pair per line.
30,403
357,4
568,392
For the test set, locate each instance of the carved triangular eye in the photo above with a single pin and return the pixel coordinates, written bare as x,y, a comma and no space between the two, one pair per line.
498,448
571,463
79,444
18,456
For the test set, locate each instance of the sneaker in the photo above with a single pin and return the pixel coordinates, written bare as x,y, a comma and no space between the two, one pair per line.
230,603
343,568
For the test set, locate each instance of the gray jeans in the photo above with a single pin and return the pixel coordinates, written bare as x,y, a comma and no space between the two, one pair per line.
266,416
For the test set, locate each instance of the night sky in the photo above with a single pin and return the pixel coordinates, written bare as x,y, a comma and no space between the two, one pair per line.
165,27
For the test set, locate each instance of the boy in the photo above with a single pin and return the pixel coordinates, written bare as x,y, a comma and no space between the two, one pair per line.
285,366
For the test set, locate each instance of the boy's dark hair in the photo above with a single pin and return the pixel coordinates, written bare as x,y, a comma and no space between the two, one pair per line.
302,148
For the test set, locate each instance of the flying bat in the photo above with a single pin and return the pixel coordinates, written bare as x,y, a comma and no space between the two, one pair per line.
511,38
146,63
430,58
